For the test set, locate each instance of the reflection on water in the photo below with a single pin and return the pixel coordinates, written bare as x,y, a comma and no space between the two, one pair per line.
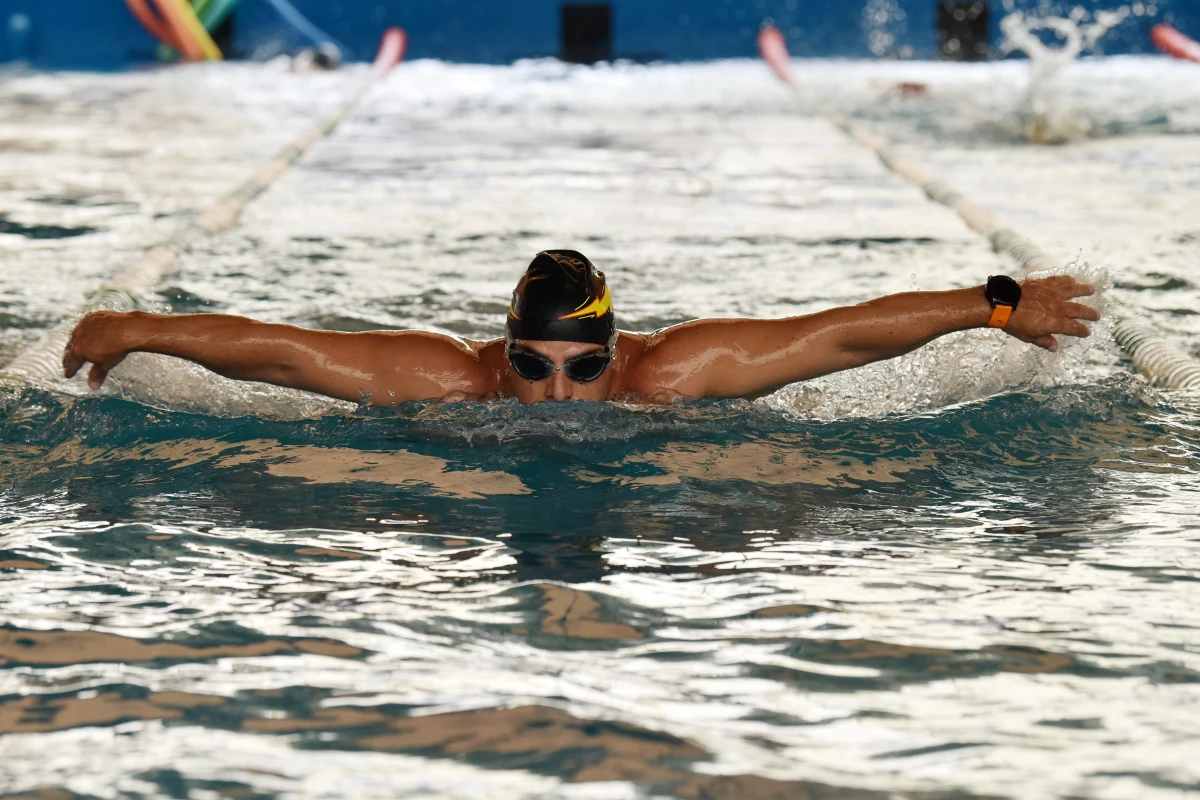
754,605
773,463
576,750
63,647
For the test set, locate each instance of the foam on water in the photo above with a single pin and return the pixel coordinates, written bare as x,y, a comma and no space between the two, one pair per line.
959,368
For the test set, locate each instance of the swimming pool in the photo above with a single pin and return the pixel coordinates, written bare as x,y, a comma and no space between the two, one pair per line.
966,573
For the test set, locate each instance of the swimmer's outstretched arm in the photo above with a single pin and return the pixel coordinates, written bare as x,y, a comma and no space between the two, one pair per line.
749,358
388,367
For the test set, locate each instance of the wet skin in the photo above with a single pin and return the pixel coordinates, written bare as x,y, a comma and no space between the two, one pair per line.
703,358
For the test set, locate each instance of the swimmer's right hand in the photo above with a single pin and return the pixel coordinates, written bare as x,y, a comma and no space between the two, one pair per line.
99,338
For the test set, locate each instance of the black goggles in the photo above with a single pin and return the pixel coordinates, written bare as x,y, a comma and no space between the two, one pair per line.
581,369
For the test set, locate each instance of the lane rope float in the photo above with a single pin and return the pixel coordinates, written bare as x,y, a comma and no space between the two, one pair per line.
43,362
1157,358
187,19
191,31
1173,43
175,24
157,28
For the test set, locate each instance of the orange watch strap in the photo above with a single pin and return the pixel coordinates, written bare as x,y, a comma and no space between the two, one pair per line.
1000,315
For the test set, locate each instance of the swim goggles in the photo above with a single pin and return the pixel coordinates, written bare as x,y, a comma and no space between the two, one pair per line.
581,369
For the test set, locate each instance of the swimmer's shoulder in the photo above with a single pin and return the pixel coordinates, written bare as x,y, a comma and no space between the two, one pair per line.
488,351
654,362
490,358
632,343
630,351
455,368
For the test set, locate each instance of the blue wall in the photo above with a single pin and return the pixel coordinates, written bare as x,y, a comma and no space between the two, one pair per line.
101,34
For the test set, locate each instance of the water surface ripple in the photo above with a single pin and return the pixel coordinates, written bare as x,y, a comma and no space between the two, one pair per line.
705,601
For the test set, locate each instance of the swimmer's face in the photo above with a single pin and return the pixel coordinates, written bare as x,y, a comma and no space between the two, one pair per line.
558,386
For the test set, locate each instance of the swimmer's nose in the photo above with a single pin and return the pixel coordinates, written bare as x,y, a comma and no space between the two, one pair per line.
560,386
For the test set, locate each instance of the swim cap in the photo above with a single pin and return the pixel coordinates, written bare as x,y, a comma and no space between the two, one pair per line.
562,298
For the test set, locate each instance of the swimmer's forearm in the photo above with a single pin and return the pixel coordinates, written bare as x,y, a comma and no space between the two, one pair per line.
900,323
748,358
235,347
386,366
895,325
843,338
887,327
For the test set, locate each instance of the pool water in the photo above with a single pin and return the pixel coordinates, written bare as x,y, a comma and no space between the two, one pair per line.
970,572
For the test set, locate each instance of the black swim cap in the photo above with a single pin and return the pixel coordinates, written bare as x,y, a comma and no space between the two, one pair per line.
562,298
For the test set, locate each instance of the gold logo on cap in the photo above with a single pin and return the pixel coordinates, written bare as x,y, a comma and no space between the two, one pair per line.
593,308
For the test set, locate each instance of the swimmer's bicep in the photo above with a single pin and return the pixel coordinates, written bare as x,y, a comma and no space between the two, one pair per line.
396,367
742,357
377,367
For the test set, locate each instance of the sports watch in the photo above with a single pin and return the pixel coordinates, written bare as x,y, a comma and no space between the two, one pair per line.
1003,293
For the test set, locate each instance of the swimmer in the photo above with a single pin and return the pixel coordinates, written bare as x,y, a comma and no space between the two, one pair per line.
562,343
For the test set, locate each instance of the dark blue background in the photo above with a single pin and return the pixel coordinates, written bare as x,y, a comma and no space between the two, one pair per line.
101,34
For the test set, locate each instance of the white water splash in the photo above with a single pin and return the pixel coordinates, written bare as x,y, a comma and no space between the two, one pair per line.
1049,122
961,367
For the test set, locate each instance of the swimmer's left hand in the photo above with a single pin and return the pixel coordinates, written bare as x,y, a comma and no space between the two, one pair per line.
1046,309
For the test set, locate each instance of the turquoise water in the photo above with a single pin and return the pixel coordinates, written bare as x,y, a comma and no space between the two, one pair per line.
969,573
589,594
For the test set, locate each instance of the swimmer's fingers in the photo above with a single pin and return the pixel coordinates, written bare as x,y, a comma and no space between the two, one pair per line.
100,369
1072,327
96,376
75,355
1046,343
1068,287
71,360
90,341
1080,311
1081,289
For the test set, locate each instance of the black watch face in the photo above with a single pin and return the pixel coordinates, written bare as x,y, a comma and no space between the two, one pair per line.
1003,290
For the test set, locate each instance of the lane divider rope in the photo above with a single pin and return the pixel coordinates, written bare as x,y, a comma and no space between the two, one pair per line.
1157,358
160,29
1174,43
197,42
43,362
